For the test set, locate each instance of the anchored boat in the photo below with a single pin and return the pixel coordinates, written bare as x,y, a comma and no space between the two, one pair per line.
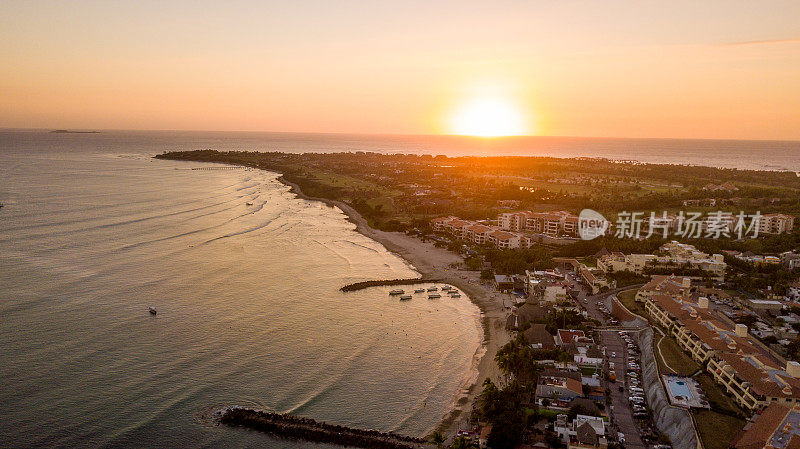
396,292
405,297
434,296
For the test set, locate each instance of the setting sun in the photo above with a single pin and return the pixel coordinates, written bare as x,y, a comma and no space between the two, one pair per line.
489,117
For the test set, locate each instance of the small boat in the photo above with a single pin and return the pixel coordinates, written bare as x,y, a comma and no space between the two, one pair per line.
419,290
249,204
456,295
434,296
396,292
405,297
446,287
433,289
152,310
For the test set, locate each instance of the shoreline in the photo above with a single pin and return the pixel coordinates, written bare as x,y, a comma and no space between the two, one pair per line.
432,262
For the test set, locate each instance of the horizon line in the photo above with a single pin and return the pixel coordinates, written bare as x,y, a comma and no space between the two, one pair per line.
344,133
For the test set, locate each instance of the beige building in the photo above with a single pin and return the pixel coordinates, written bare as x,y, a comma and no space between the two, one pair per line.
665,285
480,234
595,280
508,240
775,224
552,224
672,254
745,369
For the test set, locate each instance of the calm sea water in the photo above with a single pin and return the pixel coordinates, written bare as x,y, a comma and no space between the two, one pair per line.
249,310
94,231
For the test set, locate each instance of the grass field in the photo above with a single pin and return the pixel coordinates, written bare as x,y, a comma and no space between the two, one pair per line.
627,299
715,395
678,361
717,428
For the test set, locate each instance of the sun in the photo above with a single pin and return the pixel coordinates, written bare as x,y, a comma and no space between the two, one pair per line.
490,116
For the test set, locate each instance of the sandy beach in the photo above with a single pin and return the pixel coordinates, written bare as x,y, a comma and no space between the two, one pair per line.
435,263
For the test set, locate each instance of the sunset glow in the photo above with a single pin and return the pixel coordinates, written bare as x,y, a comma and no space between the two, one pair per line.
489,117
497,68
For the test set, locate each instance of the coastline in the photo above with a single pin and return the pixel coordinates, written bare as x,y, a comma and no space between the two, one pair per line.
434,263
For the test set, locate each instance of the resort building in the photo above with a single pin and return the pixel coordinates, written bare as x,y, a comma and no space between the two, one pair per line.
508,240
665,285
617,261
513,221
752,375
778,426
790,259
551,224
775,224
595,280
480,234
477,234
671,255
440,224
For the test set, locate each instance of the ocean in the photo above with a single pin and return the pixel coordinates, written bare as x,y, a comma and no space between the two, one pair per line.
94,231
248,300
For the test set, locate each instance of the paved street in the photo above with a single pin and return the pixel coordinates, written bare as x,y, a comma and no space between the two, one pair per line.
612,340
619,399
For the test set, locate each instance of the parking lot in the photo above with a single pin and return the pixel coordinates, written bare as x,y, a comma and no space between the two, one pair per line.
617,353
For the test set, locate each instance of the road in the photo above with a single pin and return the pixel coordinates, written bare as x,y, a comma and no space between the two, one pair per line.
622,415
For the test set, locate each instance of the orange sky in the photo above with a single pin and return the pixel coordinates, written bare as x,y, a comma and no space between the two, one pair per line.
713,69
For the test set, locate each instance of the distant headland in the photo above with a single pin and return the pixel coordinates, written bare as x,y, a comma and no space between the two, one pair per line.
68,131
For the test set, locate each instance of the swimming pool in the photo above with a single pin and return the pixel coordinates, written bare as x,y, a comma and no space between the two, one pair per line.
679,387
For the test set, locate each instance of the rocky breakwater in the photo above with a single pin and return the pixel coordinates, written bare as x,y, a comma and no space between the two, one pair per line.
673,421
307,429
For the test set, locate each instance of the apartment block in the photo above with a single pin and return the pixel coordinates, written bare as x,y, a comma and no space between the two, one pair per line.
480,234
551,224
775,224
672,254
745,369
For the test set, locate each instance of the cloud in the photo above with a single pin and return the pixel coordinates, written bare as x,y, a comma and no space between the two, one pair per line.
794,40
